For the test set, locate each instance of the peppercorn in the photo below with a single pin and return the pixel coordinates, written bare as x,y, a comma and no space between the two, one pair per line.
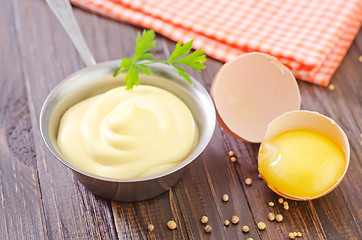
208,229
245,229
235,219
225,197
150,227
271,216
204,219
171,225
261,225
248,181
279,218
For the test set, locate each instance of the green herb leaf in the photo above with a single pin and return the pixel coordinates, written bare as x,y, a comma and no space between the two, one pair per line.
144,44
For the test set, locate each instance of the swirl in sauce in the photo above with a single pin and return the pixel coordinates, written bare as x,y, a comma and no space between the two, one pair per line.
127,134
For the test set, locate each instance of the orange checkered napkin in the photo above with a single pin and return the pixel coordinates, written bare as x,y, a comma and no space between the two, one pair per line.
311,37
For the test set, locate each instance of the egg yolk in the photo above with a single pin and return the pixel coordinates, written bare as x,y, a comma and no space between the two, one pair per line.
301,163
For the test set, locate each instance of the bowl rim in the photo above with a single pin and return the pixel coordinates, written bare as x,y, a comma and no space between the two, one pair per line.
109,65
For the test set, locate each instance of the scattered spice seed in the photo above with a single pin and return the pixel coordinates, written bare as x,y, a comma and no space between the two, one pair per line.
280,200
208,229
291,235
271,217
231,153
245,229
171,225
225,197
235,219
204,219
150,227
248,181
295,234
249,239
360,58
285,203
299,234
233,159
261,225
286,207
279,217
271,204
331,87
226,222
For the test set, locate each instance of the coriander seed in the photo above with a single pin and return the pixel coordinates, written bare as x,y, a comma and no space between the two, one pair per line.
231,153
261,225
245,229
295,234
233,159
285,203
204,219
271,204
235,219
279,217
150,227
360,58
248,181
271,217
286,207
299,234
280,200
291,235
226,222
249,239
208,229
225,198
171,225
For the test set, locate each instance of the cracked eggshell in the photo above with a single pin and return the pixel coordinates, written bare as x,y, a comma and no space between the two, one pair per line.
315,122
250,91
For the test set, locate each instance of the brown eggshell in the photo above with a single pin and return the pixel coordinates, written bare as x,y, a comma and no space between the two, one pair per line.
250,91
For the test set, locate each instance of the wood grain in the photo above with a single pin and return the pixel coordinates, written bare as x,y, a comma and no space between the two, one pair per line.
21,210
40,199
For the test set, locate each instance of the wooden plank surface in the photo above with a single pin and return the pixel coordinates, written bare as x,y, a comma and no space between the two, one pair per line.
40,199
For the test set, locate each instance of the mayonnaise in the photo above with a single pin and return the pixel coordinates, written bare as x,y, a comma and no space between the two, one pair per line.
127,134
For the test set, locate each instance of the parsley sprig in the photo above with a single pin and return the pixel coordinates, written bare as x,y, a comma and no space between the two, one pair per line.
142,57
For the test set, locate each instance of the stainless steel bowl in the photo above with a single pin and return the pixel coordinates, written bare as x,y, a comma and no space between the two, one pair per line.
98,79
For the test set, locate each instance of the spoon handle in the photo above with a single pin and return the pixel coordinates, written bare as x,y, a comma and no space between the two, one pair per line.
63,11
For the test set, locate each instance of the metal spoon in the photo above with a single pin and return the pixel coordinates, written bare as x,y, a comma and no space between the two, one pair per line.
63,10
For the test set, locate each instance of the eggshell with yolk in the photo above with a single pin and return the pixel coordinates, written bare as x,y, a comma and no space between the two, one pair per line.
250,91
315,122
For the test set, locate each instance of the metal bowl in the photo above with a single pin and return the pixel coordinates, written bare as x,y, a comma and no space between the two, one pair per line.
98,79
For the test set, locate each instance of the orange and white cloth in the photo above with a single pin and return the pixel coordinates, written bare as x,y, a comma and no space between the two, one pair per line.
311,37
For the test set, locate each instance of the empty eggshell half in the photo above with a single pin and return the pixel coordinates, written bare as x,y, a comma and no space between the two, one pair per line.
317,123
250,91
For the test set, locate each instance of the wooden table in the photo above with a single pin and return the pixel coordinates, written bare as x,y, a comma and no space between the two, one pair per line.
40,199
